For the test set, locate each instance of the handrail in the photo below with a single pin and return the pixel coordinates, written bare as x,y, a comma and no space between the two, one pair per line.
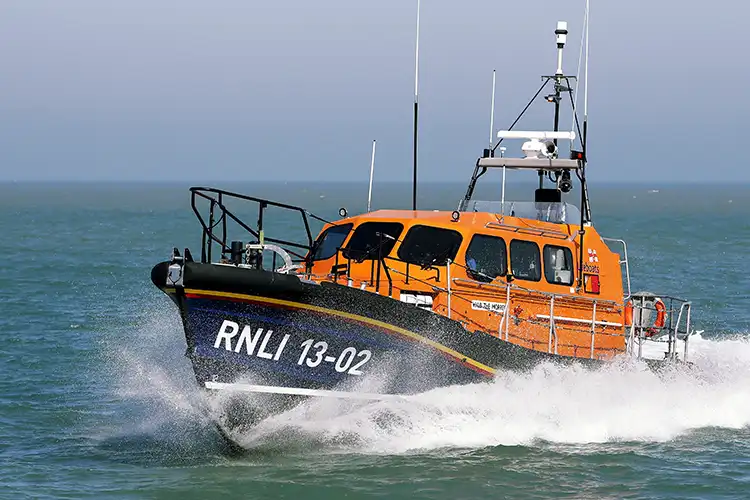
687,328
448,281
623,261
672,328
531,230
593,330
541,292
216,199
552,332
553,340
504,326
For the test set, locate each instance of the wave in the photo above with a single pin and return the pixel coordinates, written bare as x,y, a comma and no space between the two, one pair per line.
622,401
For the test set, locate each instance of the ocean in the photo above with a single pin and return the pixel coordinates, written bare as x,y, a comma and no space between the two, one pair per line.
98,401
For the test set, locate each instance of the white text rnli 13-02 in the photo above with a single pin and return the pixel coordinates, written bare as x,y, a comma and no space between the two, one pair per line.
312,353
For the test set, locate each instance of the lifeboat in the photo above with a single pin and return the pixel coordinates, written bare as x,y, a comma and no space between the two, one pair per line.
389,303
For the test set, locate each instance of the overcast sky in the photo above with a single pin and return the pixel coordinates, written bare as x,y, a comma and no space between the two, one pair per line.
297,89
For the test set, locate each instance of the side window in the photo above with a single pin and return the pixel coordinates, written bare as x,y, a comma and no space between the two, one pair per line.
558,265
327,243
486,258
525,261
426,245
371,236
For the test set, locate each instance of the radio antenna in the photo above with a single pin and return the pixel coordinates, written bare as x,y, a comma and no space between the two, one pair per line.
372,171
586,83
579,67
492,111
416,113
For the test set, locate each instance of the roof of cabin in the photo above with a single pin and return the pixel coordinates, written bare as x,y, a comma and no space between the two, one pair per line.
468,221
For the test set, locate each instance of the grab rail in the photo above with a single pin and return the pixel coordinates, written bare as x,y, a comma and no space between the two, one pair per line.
553,341
674,325
677,314
216,199
623,261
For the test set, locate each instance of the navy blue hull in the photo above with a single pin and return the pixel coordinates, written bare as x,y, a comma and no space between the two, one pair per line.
241,340
249,329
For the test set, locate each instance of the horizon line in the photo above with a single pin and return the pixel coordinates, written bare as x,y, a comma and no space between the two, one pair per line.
205,183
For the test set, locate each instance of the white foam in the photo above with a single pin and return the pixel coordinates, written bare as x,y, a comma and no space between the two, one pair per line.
147,367
622,401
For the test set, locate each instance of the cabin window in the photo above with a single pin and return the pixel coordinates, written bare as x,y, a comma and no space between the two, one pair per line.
558,265
426,245
330,241
369,236
486,258
525,261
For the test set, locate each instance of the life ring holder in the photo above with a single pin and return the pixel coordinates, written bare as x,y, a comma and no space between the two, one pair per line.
659,322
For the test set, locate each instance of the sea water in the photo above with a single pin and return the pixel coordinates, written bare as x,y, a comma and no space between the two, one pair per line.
97,399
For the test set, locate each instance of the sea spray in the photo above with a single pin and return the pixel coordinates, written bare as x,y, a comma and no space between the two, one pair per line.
146,370
621,401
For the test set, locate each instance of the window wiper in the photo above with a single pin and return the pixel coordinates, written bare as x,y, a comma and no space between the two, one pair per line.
376,251
430,262
370,251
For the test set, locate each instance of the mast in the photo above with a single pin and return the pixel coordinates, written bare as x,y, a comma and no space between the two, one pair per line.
562,34
586,83
416,114
492,112
585,212
562,85
585,209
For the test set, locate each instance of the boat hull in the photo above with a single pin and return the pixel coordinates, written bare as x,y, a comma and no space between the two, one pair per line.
257,331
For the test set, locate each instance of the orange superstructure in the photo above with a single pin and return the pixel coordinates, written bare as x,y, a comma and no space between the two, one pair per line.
532,295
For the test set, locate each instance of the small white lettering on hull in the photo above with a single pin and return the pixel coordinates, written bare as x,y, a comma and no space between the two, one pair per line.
484,305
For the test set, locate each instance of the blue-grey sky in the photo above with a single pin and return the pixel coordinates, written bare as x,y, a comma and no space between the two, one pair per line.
297,89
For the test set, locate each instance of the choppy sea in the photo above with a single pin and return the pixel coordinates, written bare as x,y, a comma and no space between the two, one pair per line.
98,401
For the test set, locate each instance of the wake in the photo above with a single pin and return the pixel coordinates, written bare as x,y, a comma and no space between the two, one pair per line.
623,401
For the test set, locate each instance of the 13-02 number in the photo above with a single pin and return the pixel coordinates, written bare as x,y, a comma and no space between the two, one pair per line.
345,362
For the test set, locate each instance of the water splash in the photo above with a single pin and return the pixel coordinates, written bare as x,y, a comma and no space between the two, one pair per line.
152,389
623,401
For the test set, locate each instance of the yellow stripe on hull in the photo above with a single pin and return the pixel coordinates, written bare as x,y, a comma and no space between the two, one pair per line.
381,324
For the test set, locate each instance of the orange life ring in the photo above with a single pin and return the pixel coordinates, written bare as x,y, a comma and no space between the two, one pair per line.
659,322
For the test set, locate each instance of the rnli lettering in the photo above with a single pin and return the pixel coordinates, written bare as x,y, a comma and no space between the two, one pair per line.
264,344
250,340
228,330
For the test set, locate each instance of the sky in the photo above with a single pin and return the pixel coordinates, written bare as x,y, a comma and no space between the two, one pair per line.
297,90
